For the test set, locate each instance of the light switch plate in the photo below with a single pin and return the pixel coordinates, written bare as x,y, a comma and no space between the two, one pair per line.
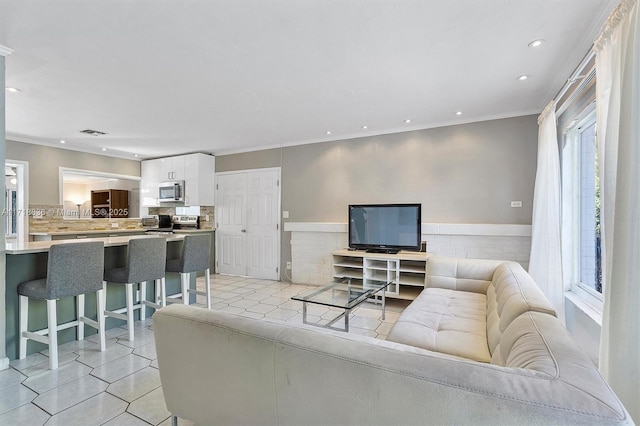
516,204
114,225
285,214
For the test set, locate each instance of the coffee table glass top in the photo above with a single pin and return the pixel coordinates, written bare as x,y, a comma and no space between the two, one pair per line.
342,293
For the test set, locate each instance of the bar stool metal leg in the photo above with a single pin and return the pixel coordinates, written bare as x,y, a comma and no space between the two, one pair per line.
143,298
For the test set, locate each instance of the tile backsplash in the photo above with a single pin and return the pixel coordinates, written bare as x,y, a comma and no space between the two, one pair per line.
49,218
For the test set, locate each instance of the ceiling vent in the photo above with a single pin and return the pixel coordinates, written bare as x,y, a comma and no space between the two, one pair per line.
92,132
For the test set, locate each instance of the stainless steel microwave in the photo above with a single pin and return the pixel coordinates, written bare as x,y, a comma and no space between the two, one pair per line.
171,192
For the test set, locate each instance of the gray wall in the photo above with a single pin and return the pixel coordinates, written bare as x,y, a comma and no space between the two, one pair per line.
461,174
44,162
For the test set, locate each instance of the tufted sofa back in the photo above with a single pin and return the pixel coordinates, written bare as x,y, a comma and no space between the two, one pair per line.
511,293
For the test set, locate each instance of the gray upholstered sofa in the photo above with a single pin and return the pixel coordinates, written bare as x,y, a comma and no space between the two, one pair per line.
218,368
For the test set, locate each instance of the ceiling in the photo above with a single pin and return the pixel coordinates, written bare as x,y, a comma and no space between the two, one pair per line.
166,77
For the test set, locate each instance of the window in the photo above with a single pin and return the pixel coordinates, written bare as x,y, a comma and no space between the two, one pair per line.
581,205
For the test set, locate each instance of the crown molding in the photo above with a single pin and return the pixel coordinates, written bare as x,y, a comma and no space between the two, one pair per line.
5,51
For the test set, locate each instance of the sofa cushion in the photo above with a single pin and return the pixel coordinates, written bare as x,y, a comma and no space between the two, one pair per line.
461,274
446,321
511,293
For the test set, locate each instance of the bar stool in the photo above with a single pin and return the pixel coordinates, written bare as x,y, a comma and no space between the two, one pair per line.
73,270
196,251
145,262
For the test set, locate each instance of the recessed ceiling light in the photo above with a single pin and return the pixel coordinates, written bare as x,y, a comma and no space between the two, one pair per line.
407,121
522,77
63,141
12,89
328,132
136,155
104,149
459,113
536,43
365,127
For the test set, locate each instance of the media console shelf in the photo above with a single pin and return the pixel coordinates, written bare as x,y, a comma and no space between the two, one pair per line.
407,270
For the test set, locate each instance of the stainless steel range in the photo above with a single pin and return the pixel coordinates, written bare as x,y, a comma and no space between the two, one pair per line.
184,222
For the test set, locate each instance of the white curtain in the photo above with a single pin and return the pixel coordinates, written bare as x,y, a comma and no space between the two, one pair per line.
545,261
618,108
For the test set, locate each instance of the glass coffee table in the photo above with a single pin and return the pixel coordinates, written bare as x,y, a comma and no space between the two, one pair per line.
343,294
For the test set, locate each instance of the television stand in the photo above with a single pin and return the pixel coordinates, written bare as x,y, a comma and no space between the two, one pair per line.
383,250
406,270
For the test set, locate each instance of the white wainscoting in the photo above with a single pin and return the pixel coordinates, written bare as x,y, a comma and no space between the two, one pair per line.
313,242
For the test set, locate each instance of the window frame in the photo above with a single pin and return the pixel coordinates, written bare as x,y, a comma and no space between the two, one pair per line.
571,242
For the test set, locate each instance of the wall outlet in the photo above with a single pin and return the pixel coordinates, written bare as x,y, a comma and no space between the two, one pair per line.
114,225
516,204
206,217
288,265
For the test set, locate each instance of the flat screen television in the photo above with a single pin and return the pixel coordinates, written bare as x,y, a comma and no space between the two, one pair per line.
386,228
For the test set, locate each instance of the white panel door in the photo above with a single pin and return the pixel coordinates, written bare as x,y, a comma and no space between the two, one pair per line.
231,208
248,221
263,223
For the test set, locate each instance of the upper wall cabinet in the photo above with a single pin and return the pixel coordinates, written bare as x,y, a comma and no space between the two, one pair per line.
172,168
197,171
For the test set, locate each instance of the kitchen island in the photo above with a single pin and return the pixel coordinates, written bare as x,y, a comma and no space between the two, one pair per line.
28,260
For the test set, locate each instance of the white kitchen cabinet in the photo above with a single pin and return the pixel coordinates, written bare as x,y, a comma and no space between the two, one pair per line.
172,168
199,179
196,170
150,173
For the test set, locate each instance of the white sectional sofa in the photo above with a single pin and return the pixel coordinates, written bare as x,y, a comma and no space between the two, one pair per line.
224,369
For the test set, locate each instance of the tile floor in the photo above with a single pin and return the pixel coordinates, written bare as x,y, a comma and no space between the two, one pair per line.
121,386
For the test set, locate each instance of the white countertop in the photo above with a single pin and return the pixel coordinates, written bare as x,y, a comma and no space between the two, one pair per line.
43,246
93,231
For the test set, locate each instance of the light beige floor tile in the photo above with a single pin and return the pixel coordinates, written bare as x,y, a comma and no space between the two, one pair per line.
29,361
95,358
273,300
49,379
10,378
94,411
234,299
70,394
297,319
141,338
25,415
70,347
317,310
258,296
244,303
135,385
150,407
38,369
218,306
261,308
362,331
232,310
364,311
110,334
253,315
281,314
15,396
147,351
119,368
242,290
126,419
293,305
384,328
365,322
138,325
154,363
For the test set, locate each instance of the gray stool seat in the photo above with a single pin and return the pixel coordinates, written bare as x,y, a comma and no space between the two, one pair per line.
73,270
146,258
36,289
196,252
